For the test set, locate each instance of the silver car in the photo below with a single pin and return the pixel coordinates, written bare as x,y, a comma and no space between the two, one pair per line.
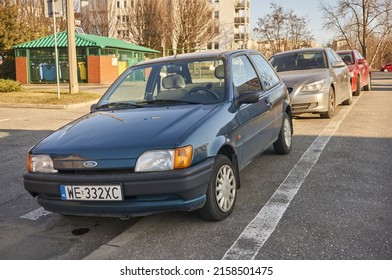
316,78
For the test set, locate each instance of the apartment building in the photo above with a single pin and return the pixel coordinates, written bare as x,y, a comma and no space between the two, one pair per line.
234,24
233,17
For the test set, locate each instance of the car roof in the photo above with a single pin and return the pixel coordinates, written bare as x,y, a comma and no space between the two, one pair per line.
198,55
302,50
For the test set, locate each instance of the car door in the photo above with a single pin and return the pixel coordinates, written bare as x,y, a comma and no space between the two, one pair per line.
255,118
363,68
341,78
276,94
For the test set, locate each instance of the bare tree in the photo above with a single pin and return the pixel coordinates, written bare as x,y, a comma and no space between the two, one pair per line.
360,22
283,30
193,24
146,21
98,17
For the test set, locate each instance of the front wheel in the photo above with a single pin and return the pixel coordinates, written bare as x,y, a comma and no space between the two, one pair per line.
221,191
331,105
283,144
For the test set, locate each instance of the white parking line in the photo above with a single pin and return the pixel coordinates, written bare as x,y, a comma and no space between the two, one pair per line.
249,243
3,120
36,214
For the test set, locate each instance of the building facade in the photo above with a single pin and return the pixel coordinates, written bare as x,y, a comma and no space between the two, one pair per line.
110,18
234,24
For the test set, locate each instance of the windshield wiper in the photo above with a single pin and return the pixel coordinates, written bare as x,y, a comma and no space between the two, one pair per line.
119,105
165,101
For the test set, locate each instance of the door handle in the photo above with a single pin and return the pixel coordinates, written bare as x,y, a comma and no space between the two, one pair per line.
269,103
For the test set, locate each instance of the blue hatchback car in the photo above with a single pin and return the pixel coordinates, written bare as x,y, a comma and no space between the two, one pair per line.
170,134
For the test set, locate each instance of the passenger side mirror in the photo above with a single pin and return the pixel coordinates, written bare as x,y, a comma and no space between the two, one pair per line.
361,61
92,107
248,97
338,64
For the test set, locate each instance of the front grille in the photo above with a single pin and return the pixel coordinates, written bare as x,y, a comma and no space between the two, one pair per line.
96,171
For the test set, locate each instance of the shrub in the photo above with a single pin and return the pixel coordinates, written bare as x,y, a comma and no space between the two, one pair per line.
9,85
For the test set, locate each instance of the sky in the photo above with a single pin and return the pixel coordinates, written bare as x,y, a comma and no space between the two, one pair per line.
305,8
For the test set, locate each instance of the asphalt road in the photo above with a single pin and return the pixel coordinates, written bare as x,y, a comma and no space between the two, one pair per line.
331,198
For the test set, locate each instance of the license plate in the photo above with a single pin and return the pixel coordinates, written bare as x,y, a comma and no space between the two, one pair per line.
103,193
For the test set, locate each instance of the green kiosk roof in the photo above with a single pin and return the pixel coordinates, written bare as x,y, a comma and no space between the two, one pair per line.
83,40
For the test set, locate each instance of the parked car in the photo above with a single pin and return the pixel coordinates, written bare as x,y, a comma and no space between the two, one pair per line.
359,70
317,79
169,134
386,68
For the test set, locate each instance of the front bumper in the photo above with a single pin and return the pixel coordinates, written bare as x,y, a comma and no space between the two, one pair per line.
144,193
312,102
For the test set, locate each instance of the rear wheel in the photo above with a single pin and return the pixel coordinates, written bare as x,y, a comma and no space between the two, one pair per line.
284,142
349,100
368,87
358,90
331,105
221,191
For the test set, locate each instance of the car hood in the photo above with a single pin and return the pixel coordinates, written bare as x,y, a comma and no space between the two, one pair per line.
295,79
120,134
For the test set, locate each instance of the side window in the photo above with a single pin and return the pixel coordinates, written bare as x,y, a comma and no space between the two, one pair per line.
358,55
331,57
244,75
268,75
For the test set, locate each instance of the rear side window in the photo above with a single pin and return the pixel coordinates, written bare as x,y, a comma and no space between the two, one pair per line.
268,75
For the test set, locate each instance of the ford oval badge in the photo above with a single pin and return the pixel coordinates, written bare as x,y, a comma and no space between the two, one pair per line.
90,164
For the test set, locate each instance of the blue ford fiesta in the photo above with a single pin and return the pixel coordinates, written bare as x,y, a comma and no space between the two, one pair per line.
170,134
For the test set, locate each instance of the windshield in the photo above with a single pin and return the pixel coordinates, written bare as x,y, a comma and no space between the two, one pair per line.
176,82
298,61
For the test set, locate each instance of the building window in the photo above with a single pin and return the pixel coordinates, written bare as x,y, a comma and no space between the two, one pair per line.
125,4
118,4
216,14
216,45
209,46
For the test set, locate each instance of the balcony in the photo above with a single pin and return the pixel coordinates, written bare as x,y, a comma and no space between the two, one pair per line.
241,20
241,4
240,36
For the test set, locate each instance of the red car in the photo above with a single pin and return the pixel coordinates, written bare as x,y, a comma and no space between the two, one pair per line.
386,68
359,70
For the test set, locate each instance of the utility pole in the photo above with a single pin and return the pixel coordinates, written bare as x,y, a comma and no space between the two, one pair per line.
73,71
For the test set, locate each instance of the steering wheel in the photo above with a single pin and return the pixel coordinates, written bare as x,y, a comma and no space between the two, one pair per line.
206,90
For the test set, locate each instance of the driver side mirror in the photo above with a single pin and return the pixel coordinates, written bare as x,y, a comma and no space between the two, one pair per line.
361,61
338,64
247,98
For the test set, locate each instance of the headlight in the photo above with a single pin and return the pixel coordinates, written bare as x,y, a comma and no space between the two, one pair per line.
40,164
313,86
162,160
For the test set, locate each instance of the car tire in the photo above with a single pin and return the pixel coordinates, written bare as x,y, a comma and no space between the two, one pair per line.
349,100
358,90
283,144
368,87
221,191
331,105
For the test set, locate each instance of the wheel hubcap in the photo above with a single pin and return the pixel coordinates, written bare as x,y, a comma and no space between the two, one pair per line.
225,187
287,132
331,103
